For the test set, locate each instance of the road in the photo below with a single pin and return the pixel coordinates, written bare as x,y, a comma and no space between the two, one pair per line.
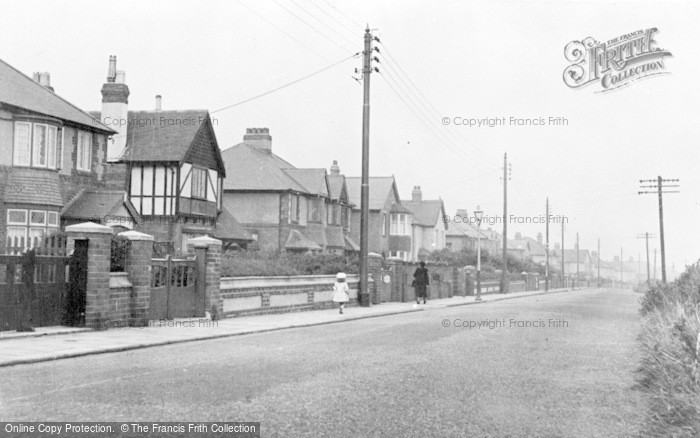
408,375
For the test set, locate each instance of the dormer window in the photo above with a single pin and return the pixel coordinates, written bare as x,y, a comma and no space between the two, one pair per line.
35,145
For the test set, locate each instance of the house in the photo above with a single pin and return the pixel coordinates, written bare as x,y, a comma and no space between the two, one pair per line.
170,166
389,225
51,154
518,248
581,264
534,249
462,234
282,207
428,225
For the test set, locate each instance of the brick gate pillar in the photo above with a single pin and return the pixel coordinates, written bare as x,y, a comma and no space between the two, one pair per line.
99,239
208,252
138,266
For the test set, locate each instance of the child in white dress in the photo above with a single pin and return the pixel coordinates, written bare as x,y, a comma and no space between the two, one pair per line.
340,291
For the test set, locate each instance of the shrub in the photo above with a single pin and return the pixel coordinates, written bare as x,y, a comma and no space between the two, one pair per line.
670,340
270,263
119,250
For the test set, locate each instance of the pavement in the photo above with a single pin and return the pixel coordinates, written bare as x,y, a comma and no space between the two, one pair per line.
53,343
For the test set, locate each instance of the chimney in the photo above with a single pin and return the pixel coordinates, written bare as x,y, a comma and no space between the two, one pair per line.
462,214
539,238
518,236
335,169
159,100
616,259
416,194
259,138
115,102
557,247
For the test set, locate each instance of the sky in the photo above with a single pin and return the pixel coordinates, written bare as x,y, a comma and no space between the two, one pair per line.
437,59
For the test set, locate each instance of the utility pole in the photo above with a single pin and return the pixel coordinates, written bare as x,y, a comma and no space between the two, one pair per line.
577,258
504,274
598,262
563,277
647,236
658,185
622,266
546,248
364,200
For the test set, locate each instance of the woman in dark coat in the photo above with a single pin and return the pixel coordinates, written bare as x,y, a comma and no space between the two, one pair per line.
421,281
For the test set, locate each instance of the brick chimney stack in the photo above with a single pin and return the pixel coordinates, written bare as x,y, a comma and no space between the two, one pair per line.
44,79
159,102
335,169
539,238
416,194
115,103
259,138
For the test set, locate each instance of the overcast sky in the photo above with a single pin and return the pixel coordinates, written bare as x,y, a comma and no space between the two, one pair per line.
460,59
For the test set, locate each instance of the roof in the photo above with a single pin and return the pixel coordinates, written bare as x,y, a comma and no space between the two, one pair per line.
570,255
519,244
426,213
379,189
250,168
351,245
94,205
164,135
398,208
19,90
335,237
297,240
336,183
317,234
32,186
228,228
313,180
536,248
461,229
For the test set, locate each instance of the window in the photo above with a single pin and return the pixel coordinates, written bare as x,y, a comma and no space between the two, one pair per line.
315,210
199,183
346,216
23,139
294,208
400,224
403,255
84,153
384,224
25,226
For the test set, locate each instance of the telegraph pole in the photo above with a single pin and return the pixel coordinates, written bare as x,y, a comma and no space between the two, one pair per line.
546,247
504,274
658,185
622,266
364,200
647,236
598,262
577,258
562,251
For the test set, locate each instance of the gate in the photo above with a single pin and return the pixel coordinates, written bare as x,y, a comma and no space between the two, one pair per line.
32,284
174,292
77,284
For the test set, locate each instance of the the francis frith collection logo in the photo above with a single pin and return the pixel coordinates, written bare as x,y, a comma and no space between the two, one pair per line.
616,62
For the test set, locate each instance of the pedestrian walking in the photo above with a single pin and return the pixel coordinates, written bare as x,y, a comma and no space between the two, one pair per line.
341,290
421,280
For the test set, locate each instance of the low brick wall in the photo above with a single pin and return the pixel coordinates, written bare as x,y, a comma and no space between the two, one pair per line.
259,295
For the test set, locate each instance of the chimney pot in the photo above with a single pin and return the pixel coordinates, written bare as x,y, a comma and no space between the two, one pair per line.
158,102
112,70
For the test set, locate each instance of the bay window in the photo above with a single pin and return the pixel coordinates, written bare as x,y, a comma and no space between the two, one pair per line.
400,224
24,227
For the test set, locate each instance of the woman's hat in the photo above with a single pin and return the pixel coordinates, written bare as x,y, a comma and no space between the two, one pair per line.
340,275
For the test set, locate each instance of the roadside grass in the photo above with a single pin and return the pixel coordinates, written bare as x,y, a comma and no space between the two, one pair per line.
669,372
